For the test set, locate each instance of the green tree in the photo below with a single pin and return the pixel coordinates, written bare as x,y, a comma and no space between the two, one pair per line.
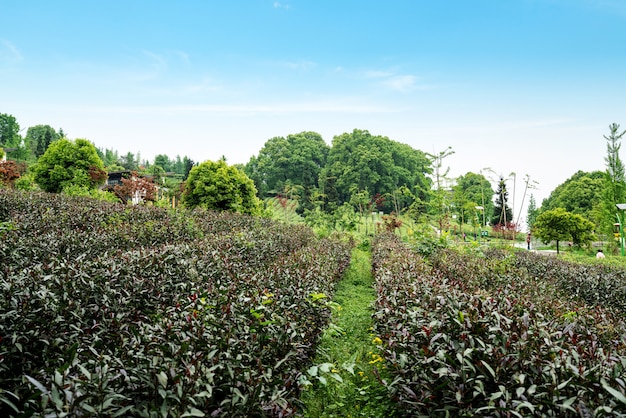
294,161
39,137
69,163
10,138
129,161
218,186
502,213
472,190
532,213
560,225
582,193
164,162
615,179
359,161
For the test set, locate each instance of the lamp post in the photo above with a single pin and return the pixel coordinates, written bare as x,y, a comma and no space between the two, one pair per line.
621,207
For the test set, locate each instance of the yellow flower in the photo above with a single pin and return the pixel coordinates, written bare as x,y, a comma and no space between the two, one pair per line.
377,341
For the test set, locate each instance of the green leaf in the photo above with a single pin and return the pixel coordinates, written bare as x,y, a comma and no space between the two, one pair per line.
614,392
193,413
488,367
162,377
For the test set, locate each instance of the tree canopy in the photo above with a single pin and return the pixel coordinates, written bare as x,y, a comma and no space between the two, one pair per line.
287,164
39,138
560,225
359,161
472,190
69,163
582,193
218,186
10,138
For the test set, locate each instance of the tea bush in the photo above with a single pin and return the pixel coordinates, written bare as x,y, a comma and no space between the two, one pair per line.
475,335
113,310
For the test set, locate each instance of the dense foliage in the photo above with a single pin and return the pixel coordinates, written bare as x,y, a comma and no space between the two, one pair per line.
580,194
112,310
360,161
560,225
215,185
289,165
69,163
496,335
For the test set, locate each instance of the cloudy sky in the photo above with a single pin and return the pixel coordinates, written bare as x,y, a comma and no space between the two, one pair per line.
517,86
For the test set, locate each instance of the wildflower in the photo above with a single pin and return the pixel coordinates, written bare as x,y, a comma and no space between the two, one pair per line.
377,341
376,359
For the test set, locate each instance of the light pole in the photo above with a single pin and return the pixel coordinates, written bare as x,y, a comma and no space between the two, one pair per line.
621,207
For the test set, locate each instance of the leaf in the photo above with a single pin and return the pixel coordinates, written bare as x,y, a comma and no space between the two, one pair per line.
488,367
562,385
38,385
85,371
122,412
193,413
615,393
336,377
162,377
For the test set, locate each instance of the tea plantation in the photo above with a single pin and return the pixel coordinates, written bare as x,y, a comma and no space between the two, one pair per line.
113,310
500,333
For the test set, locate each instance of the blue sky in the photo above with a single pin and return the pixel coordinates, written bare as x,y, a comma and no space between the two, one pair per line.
524,86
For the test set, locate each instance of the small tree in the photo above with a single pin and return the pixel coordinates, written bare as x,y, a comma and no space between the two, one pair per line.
502,213
560,225
69,163
218,186
136,189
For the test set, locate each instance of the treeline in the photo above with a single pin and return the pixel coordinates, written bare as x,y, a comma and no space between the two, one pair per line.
27,150
368,172
357,174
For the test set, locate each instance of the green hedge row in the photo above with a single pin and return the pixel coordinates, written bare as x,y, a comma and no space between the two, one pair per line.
110,310
474,335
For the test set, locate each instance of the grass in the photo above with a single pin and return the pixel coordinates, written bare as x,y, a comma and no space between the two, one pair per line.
345,380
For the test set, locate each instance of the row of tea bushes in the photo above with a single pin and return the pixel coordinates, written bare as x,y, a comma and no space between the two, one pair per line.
218,318
472,335
596,284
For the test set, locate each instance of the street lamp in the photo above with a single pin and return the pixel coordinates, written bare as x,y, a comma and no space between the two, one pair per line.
621,207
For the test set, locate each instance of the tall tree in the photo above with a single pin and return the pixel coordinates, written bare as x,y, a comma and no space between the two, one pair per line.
615,183
502,213
532,213
10,138
360,161
473,190
39,137
582,193
164,162
294,161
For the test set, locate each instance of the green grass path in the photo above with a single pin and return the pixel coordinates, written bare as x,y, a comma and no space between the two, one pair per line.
344,379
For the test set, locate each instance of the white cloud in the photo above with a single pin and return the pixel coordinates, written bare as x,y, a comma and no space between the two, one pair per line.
299,65
160,63
9,52
377,74
278,5
402,83
277,108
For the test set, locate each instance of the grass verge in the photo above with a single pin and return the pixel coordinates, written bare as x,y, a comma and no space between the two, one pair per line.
345,380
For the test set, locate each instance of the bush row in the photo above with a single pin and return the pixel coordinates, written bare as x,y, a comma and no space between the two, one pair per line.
156,313
472,335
